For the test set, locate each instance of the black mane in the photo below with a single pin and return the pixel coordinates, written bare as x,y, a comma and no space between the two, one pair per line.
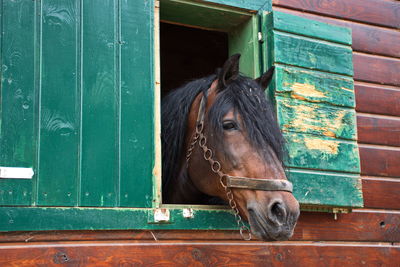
243,95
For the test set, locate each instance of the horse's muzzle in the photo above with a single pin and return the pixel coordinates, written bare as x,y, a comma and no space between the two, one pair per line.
276,222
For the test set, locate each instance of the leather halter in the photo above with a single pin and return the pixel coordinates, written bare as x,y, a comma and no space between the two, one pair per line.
264,184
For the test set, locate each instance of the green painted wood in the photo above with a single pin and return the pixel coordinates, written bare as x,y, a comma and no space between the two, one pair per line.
311,28
327,189
17,98
243,40
59,106
38,219
202,15
322,153
316,118
100,104
137,104
245,4
313,86
305,52
313,91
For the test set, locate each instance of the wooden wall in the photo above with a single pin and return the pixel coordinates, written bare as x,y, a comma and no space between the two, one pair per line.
368,237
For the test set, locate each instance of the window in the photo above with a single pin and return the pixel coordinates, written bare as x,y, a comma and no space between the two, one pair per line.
80,99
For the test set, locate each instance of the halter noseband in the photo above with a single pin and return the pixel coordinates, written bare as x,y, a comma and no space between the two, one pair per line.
225,179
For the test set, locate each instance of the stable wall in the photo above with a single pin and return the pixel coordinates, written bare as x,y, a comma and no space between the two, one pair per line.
369,236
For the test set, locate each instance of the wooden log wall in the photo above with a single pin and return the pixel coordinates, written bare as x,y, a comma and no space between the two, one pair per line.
365,237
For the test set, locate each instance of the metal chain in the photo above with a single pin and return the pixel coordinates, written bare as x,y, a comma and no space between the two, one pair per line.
216,168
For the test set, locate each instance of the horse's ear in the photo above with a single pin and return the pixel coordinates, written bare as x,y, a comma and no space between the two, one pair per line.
229,72
265,79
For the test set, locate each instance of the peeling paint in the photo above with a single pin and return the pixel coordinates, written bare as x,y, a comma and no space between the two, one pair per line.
306,90
347,89
327,146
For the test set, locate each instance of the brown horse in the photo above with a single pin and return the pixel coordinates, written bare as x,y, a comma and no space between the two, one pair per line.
221,142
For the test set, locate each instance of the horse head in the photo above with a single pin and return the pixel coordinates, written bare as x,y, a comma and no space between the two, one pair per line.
232,135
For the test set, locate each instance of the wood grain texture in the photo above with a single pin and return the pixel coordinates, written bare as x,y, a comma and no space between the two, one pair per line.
376,69
379,12
314,86
322,153
379,160
373,129
100,106
137,104
18,99
326,189
314,54
297,25
381,193
378,99
59,105
198,254
316,118
366,38
252,5
360,225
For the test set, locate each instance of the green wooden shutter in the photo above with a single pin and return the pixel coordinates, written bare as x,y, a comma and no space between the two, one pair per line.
314,96
18,99
77,102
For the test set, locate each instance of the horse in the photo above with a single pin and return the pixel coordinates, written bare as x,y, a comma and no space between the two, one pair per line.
221,143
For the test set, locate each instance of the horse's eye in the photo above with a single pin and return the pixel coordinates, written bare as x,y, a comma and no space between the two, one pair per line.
229,125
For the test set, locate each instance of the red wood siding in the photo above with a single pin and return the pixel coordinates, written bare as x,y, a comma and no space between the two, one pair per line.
376,44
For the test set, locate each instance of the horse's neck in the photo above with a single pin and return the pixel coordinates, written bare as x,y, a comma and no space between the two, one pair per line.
184,191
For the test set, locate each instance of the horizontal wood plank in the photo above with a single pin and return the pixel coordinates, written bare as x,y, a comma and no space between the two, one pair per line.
381,193
379,12
297,25
321,153
374,98
366,38
376,69
359,225
379,160
314,54
316,118
198,254
314,86
373,129
325,188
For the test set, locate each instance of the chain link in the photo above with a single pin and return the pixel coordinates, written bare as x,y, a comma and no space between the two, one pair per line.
216,168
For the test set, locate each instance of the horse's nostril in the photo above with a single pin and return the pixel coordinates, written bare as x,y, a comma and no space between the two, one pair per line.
277,212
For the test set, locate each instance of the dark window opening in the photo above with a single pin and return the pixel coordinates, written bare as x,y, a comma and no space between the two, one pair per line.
189,53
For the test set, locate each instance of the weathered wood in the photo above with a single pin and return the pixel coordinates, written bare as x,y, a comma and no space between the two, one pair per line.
359,225
326,189
59,104
322,153
77,218
313,86
374,129
380,161
381,193
100,100
297,25
316,118
199,254
137,127
18,98
366,38
379,99
380,12
197,14
251,5
311,53
376,69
